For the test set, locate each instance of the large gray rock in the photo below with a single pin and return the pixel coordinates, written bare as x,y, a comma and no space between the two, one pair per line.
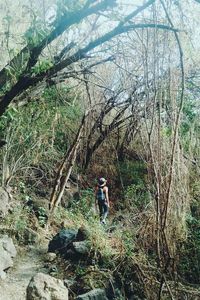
7,252
4,202
62,240
46,287
83,234
82,247
5,259
2,275
96,294
8,245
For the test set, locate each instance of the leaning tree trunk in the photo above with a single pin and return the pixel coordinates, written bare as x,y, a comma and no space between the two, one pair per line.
67,166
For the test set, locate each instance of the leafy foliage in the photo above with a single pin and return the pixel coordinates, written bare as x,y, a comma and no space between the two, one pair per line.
38,135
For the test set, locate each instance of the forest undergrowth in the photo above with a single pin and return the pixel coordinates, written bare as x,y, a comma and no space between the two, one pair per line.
123,255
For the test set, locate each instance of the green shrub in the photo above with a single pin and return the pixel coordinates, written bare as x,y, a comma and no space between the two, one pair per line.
137,196
133,172
189,253
38,135
85,205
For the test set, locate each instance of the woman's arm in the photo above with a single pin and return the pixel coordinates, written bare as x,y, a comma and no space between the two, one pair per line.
106,194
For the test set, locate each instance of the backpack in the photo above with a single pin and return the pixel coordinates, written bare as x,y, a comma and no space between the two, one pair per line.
100,194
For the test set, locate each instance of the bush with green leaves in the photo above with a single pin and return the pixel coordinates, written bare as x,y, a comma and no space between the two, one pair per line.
18,220
137,196
189,252
38,135
85,205
133,172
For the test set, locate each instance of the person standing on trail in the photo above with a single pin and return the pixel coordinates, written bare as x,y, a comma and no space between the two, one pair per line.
102,199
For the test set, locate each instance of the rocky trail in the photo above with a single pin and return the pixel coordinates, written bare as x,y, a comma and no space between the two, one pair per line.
26,264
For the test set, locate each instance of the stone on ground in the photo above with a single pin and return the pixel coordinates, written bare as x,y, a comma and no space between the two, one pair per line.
2,275
96,294
82,247
62,240
49,257
7,252
46,287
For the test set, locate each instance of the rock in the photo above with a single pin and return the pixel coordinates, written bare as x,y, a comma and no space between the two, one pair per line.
2,275
8,245
82,234
96,294
46,287
4,202
62,240
70,254
82,247
69,282
7,252
5,260
50,257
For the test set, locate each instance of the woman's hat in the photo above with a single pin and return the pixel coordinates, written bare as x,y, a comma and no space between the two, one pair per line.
102,181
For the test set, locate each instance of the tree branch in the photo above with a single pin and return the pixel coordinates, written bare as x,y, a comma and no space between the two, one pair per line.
64,23
25,81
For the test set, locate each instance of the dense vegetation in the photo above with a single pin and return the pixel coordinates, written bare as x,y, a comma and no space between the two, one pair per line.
102,88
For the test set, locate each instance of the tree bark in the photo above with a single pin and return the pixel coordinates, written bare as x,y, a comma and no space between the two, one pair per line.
66,166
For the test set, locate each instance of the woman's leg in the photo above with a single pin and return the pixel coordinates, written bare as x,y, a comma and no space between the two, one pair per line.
105,212
101,210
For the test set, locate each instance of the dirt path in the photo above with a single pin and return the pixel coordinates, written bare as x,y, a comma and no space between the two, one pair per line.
26,264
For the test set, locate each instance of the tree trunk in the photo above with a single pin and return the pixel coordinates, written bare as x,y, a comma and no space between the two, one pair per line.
68,162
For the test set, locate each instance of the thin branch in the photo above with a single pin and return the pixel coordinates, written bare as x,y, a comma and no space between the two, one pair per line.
178,115
64,23
25,81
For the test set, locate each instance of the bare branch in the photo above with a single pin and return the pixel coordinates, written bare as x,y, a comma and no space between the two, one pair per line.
64,23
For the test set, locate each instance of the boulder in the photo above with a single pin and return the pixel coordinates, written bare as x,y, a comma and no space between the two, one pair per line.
4,202
5,260
83,234
2,275
46,287
82,247
96,294
49,257
62,240
8,245
70,282
7,252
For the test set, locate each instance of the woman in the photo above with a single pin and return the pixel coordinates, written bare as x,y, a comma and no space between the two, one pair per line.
102,199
